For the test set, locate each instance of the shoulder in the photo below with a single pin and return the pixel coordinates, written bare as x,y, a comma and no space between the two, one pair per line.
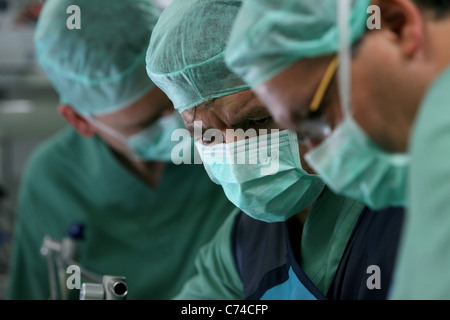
54,155
216,274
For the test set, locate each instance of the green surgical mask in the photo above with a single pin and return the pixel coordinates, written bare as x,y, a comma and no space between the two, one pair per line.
352,165
349,162
152,144
263,175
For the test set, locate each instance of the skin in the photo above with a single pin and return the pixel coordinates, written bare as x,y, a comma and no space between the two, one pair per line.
391,71
241,110
127,121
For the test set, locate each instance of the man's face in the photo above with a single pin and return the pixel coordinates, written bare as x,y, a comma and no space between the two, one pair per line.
289,95
135,118
385,92
240,110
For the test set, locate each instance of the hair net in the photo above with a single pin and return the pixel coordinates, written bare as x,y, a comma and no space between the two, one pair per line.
185,58
99,68
269,36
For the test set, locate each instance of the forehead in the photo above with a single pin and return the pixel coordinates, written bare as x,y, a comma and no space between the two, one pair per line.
294,87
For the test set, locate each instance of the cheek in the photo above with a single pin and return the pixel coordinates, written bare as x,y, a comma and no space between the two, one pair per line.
364,107
373,77
370,105
361,98
374,101
365,98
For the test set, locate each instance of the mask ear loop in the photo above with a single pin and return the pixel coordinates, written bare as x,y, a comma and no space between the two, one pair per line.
111,132
345,58
104,127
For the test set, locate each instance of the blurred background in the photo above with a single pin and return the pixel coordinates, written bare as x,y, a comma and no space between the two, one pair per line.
28,113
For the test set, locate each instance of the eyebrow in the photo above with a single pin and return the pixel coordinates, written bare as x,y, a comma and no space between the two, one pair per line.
208,104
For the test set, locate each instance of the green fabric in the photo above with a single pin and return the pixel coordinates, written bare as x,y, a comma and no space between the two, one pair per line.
150,236
424,256
325,235
99,68
185,58
324,238
217,277
269,36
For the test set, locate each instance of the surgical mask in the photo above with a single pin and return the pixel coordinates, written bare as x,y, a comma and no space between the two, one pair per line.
353,165
348,161
263,175
153,143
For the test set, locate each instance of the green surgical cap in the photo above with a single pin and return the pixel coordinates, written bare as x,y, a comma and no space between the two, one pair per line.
99,68
271,35
185,58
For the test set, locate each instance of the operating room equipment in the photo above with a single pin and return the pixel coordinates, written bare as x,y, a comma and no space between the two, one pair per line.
62,254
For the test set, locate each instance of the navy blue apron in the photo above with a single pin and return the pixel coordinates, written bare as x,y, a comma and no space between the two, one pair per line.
267,255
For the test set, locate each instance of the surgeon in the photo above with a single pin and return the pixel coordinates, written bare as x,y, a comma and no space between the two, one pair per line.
383,114
110,173
293,238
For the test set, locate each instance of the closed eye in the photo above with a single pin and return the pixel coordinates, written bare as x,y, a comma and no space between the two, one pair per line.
261,122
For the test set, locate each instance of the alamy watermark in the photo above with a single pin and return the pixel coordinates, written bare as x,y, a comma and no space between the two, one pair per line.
235,146
74,279
374,21
74,20
374,280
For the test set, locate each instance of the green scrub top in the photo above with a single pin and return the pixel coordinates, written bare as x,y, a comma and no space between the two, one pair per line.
150,236
423,263
326,232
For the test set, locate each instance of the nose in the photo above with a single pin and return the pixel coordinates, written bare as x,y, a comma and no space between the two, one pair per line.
288,118
312,143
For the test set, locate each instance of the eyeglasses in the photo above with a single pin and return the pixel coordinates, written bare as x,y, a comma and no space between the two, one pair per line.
315,125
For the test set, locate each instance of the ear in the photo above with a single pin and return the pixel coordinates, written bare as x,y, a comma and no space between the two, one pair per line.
80,124
403,18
